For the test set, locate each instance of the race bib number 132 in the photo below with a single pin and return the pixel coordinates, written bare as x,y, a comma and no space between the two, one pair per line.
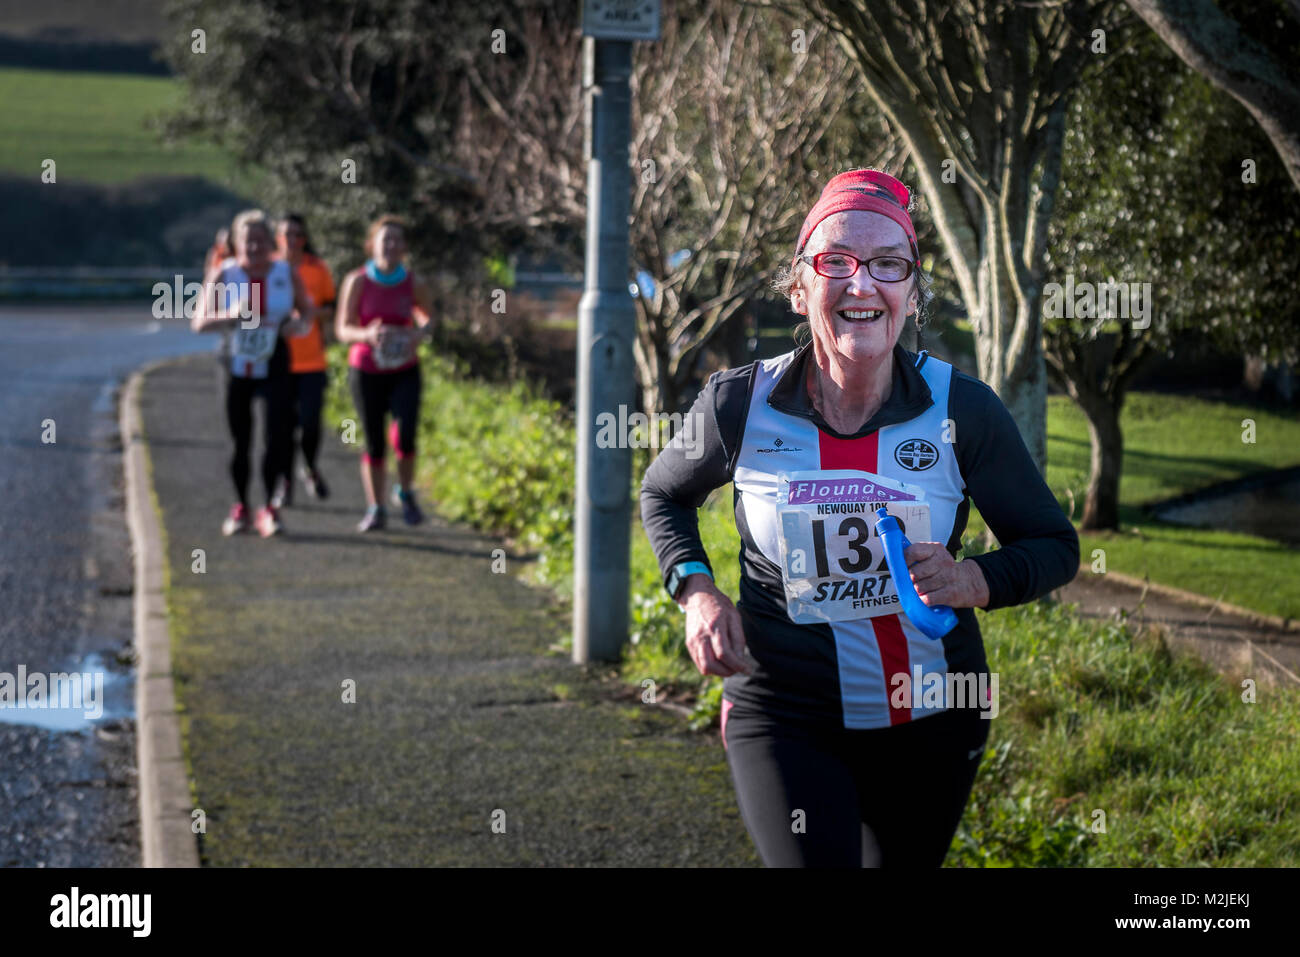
832,561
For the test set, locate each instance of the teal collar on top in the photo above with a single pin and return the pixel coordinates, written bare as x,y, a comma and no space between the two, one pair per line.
385,278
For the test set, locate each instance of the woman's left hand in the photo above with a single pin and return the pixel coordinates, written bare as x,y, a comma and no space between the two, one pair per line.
942,580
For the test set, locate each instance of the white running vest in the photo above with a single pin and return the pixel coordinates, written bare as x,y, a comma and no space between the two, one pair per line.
919,452
251,349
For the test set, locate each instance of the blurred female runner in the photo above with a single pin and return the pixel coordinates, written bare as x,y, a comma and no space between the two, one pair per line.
306,359
254,296
377,306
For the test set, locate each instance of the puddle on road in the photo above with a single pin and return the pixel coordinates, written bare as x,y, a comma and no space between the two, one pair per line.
106,401
99,702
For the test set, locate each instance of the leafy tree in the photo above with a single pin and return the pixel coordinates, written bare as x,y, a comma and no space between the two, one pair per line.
1154,191
1239,52
352,109
470,120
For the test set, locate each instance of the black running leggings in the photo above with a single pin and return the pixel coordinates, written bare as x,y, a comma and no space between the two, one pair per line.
276,393
883,797
305,409
375,394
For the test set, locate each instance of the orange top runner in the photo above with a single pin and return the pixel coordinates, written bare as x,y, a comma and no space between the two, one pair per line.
307,352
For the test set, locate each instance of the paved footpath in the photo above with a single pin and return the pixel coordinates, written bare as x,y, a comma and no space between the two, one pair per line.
468,743
1239,645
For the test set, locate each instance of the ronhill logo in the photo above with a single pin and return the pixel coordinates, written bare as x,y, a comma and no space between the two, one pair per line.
780,446
916,455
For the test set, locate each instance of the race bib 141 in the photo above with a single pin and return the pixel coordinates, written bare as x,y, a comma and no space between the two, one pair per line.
255,345
832,561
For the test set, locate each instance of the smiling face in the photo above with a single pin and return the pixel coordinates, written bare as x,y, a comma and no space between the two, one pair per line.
253,245
855,320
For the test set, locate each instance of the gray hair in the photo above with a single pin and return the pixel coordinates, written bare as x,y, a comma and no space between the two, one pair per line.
250,218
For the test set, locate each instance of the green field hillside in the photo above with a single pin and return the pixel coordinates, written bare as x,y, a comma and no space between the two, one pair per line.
99,128
122,197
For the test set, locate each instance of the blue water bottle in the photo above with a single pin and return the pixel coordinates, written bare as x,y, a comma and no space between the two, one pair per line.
934,622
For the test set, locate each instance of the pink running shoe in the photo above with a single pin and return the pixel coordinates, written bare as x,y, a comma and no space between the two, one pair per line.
236,521
268,522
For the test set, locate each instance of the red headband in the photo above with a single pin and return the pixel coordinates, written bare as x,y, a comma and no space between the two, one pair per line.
866,189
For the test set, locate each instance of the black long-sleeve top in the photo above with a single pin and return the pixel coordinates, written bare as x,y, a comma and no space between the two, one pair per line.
748,417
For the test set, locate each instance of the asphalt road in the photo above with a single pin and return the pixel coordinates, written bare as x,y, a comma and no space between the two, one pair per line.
67,784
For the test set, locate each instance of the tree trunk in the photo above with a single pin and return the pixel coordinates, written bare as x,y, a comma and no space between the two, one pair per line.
1101,507
650,353
659,391
1019,375
1252,376
1096,375
1026,400
652,394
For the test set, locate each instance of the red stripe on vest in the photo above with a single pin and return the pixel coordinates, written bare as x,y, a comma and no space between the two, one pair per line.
861,454
894,661
848,453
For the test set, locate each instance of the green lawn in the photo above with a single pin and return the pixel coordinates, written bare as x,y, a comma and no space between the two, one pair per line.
95,126
1173,445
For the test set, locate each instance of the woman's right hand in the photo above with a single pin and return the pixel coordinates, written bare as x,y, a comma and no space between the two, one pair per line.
376,332
715,637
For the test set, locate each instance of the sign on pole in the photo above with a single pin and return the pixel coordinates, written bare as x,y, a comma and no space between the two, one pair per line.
621,19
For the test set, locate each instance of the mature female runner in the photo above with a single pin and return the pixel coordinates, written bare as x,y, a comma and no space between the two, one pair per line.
253,297
375,315
837,757
307,363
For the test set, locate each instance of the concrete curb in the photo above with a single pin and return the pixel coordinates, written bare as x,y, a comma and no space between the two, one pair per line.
165,804
1178,594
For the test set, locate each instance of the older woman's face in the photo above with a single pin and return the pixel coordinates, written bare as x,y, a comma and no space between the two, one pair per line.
253,245
859,318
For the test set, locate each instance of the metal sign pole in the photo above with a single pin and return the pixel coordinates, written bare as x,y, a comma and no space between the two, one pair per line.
602,521
606,373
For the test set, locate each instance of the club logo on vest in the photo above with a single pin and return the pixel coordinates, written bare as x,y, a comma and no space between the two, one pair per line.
916,455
